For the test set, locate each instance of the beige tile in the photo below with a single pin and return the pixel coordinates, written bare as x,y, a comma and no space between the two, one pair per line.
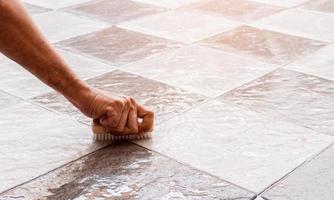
34,141
127,171
286,3
57,26
194,26
268,46
118,46
199,69
287,95
168,3
8,100
319,63
320,5
300,22
35,9
237,145
165,100
238,10
115,11
55,4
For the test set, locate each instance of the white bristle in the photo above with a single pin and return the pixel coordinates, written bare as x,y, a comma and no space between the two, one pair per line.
111,137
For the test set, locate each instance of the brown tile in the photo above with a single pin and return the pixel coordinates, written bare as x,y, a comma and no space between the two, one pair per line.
115,11
118,46
320,5
239,10
300,98
165,100
127,171
265,45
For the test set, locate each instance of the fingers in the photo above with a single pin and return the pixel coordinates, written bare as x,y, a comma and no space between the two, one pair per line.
132,123
148,119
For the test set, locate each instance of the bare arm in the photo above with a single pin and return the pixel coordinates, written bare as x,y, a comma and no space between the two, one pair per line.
21,40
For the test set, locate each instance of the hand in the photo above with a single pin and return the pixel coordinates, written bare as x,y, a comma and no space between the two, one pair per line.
118,115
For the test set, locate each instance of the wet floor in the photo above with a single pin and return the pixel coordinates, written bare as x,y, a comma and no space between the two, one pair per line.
243,93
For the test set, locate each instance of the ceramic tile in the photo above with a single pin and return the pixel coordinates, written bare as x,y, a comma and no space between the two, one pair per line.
8,100
300,98
35,9
58,26
199,69
263,45
194,26
127,171
118,46
115,11
286,3
55,4
320,63
239,146
29,86
300,22
320,5
239,10
168,3
34,141
311,181
165,100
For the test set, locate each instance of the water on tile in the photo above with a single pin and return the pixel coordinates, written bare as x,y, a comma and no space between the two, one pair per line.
127,171
55,4
264,45
118,46
320,5
168,3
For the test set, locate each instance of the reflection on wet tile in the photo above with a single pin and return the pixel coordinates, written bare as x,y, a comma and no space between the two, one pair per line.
35,9
55,4
237,145
115,11
127,171
168,3
194,26
320,63
34,141
58,26
240,10
300,22
286,3
320,5
25,85
7,100
199,69
165,100
311,181
300,98
265,45
118,46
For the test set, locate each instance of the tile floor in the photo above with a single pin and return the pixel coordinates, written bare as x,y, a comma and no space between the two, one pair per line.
243,93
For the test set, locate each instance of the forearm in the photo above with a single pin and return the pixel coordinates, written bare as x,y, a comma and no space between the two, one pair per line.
21,41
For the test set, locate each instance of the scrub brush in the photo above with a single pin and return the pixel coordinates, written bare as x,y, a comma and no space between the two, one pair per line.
100,134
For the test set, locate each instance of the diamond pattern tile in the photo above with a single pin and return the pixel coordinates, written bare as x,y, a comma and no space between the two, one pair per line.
194,26
263,45
8,100
34,141
168,3
127,171
320,5
58,26
285,3
165,100
239,146
199,69
287,95
239,10
35,9
319,64
115,11
311,181
300,22
55,4
118,46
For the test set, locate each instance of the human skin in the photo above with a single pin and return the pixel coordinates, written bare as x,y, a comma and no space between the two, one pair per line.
22,41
